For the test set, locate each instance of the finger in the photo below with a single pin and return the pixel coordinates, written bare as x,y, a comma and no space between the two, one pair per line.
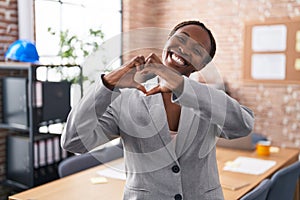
139,66
147,63
152,66
140,59
147,68
150,63
154,90
136,61
149,60
148,57
153,57
153,60
141,88
139,63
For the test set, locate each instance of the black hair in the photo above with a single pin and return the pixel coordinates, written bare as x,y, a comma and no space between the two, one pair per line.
198,23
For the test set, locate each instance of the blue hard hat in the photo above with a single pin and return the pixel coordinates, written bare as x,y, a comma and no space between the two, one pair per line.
22,50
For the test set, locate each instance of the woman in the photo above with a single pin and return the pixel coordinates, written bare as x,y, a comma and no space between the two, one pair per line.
169,133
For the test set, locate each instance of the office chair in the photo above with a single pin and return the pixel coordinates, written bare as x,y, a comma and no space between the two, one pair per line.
283,182
81,162
260,192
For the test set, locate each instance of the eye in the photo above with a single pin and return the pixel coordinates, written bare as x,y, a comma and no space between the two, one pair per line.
181,38
197,52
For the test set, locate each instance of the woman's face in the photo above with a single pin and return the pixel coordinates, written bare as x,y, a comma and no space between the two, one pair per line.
186,50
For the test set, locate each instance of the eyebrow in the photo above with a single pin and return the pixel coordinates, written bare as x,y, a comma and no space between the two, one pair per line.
186,34
202,49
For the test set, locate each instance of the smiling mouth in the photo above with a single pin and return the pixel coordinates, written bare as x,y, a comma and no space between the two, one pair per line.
177,59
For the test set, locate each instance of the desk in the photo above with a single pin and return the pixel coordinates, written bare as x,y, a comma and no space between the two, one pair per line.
283,158
78,186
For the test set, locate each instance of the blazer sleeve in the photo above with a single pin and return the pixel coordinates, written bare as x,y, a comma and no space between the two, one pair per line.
93,121
232,119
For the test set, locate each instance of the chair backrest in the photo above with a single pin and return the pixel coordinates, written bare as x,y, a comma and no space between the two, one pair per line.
81,162
260,192
283,182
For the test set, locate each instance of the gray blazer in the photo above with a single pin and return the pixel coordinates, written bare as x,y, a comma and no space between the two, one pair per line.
157,166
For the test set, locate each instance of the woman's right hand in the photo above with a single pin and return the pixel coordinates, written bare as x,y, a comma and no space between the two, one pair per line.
124,76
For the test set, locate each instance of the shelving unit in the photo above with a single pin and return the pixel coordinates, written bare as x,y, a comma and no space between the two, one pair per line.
28,105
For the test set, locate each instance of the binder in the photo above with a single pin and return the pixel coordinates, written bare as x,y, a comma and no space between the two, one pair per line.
50,157
38,102
57,156
42,153
36,155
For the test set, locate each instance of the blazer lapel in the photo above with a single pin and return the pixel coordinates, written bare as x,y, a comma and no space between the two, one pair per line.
186,133
158,116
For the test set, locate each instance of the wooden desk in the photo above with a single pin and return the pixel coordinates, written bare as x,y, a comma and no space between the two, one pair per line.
78,186
283,158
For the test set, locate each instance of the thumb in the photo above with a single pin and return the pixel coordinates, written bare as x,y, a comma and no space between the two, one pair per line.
155,90
140,87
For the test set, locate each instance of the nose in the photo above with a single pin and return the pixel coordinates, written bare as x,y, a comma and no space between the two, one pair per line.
181,51
185,53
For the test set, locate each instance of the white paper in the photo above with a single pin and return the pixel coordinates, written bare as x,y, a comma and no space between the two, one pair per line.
268,66
269,38
114,171
248,165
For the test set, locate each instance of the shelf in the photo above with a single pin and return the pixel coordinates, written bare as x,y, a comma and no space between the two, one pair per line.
14,127
27,105
41,175
15,65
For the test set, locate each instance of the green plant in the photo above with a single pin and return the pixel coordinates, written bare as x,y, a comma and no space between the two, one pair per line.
73,49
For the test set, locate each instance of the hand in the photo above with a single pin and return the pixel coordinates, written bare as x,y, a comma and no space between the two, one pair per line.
162,87
124,76
145,73
170,79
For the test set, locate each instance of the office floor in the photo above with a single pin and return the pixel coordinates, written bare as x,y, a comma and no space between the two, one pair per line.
6,191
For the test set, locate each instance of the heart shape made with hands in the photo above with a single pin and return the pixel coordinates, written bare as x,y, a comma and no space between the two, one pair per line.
139,70
142,77
144,72
151,88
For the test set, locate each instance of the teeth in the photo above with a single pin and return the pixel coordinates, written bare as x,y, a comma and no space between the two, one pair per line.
177,59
